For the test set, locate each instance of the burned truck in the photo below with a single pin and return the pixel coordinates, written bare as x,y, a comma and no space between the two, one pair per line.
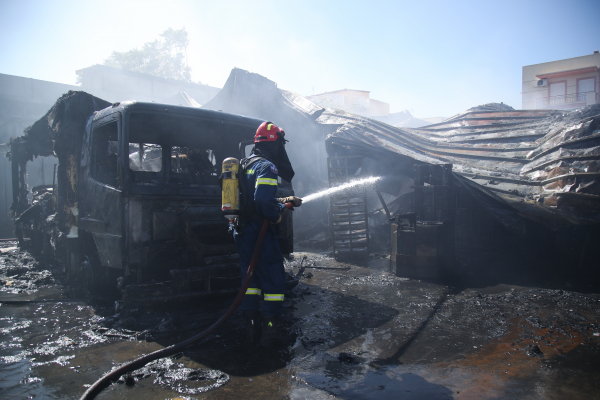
136,205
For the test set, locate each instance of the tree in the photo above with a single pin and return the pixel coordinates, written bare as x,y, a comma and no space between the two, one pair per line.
163,57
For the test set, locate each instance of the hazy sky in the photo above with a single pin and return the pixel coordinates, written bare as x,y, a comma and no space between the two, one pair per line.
434,58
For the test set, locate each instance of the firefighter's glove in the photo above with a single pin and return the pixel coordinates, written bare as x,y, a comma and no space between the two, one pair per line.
296,201
282,210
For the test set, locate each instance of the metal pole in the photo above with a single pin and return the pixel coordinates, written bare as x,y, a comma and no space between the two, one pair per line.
387,212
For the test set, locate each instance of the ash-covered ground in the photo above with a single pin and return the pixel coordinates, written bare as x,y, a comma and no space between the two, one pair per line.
362,333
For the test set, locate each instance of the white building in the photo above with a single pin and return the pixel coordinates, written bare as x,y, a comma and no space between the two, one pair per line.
354,101
563,85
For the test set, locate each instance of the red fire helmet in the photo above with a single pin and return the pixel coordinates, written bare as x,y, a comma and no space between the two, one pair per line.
268,132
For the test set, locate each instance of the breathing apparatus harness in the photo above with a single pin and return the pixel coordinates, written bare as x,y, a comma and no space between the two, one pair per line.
246,214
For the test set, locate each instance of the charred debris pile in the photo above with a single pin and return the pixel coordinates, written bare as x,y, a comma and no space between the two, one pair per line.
492,187
494,191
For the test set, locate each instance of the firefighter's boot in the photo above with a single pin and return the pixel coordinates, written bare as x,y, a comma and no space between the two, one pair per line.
273,334
253,326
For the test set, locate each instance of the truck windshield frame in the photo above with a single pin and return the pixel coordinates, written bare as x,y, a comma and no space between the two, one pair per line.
173,148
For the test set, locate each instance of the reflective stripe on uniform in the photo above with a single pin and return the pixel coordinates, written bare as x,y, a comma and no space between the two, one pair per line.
273,297
266,181
253,291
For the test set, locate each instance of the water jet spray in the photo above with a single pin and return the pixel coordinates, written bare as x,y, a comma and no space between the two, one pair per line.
348,185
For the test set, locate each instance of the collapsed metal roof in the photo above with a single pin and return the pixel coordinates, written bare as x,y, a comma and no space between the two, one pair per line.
538,164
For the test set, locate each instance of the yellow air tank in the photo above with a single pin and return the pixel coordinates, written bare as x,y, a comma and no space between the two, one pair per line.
230,204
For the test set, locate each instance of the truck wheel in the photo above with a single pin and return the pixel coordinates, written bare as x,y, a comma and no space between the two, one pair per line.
111,289
99,281
92,275
88,277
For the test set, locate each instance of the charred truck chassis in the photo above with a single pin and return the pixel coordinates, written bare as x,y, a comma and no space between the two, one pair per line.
147,218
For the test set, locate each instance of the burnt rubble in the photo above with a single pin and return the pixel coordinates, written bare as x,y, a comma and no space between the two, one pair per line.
492,187
540,164
20,272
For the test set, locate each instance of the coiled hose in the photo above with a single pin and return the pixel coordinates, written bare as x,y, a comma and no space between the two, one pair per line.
113,376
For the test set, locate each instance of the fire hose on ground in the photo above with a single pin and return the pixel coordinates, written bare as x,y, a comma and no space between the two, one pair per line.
113,376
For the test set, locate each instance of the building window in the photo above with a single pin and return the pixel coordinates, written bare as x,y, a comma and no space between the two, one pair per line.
585,85
558,89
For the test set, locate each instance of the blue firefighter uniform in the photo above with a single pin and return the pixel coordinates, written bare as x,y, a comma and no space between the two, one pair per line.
269,276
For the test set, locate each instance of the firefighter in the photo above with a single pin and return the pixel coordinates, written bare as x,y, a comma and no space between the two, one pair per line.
258,184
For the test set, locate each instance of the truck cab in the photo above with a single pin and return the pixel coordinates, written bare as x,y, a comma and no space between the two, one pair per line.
149,201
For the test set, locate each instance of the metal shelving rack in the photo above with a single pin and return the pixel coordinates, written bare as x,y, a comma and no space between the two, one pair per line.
348,209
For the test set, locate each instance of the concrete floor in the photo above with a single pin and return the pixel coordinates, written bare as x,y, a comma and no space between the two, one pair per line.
362,333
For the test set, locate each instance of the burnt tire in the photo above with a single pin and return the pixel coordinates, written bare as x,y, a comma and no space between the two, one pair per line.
99,281
91,276
96,280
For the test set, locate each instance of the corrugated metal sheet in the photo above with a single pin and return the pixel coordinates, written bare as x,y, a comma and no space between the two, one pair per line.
542,164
